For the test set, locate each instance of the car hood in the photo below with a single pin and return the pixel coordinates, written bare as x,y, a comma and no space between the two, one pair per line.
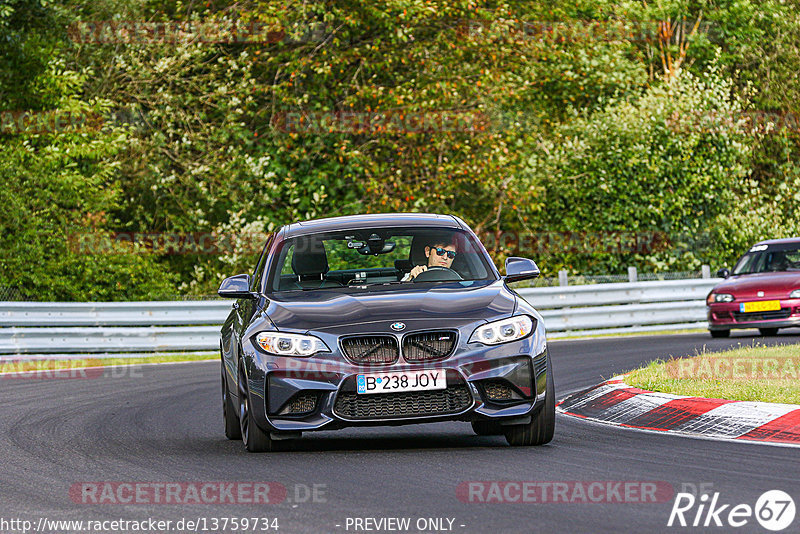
438,304
772,284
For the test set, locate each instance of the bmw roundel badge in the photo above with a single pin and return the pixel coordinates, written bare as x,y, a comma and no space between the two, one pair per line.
398,326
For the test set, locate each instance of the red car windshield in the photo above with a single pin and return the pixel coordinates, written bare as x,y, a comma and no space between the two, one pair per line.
769,260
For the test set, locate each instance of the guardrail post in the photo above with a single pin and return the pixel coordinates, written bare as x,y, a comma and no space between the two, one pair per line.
632,275
706,271
562,278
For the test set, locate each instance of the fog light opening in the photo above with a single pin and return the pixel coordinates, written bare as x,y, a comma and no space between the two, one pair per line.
300,404
500,391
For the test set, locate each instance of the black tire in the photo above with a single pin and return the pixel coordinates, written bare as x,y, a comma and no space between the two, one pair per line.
768,331
720,333
542,426
232,429
255,439
487,428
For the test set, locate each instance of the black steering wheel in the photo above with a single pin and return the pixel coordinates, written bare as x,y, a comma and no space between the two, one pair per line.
435,274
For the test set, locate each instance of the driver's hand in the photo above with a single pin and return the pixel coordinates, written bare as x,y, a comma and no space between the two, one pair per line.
416,270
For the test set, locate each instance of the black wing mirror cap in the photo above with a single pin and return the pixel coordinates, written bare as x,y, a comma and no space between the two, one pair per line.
520,269
236,287
723,273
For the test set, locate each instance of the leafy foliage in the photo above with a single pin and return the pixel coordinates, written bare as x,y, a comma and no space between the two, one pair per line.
594,116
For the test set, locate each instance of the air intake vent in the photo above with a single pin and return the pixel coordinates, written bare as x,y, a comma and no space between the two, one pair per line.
783,313
454,399
428,346
370,349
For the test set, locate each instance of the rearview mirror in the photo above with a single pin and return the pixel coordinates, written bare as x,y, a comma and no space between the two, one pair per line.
723,273
520,269
236,287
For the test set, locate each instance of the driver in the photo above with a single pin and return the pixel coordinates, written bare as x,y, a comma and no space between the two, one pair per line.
439,254
779,262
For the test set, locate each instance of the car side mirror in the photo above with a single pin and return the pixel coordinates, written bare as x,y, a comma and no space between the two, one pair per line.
236,287
520,269
723,273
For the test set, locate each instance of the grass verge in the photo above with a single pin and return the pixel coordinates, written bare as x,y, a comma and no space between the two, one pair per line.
753,373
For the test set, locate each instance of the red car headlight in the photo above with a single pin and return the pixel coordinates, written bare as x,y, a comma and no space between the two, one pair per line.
719,297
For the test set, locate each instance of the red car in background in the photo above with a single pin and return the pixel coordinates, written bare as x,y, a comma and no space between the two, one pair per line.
763,291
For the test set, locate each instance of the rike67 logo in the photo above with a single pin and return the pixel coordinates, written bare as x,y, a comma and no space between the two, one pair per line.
774,510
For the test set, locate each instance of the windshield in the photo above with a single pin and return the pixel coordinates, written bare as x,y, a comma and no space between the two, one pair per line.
377,256
769,259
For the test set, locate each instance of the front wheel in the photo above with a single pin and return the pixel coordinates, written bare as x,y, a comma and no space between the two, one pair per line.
255,439
232,429
720,333
542,426
768,331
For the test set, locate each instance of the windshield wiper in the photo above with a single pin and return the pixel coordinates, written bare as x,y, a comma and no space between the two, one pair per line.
315,288
365,283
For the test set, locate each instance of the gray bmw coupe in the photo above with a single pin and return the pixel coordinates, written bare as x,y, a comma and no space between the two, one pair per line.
387,319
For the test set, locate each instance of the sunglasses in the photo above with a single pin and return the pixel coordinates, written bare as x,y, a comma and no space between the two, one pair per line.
441,252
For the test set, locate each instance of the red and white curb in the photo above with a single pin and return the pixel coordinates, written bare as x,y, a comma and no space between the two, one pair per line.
617,403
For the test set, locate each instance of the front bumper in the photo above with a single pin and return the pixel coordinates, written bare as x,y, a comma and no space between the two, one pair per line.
727,315
325,387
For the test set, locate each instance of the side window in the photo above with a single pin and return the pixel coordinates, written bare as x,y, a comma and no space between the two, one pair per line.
341,258
403,249
286,267
745,265
283,277
255,282
793,257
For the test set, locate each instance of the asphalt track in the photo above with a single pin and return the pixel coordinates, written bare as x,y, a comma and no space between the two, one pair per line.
163,424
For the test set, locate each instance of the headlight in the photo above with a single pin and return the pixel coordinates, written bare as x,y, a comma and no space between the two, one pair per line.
290,344
795,294
719,297
502,331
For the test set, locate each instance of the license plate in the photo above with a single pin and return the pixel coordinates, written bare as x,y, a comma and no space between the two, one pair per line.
396,382
760,306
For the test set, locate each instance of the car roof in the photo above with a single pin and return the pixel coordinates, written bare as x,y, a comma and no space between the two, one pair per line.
371,220
784,241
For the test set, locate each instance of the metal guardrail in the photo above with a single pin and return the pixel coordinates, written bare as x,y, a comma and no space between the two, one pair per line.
108,339
166,313
618,293
620,308
129,327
